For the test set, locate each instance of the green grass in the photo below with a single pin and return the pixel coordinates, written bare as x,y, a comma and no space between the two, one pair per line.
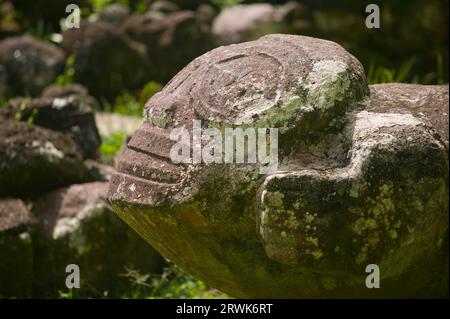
150,89
111,145
173,283
3,101
125,104
128,104
100,5
381,74
403,74
223,4
140,6
67,76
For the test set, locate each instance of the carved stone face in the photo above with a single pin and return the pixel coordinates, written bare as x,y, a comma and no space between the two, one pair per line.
299,85
350,190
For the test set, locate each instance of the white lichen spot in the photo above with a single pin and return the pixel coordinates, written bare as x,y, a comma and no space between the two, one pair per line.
48,149
327,83
25,237
309,218
317,254
59,103
67,225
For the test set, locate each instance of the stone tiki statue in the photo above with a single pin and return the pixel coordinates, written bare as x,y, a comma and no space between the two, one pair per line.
353,187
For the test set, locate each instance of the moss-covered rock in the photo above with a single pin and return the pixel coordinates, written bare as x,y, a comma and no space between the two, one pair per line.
35,160
352,187
77,226
71,114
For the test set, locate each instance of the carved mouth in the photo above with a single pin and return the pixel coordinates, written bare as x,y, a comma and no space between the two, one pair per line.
145,173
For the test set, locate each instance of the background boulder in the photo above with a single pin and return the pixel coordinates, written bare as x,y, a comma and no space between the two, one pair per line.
172,40
16,249
249,22
78,227
35,160
114,14
106,61
28,65
71,114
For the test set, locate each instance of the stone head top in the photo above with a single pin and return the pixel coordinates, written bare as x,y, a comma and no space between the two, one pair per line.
278,79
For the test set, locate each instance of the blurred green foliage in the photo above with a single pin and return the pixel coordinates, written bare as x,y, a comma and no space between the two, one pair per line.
111,145
150,89
3,101
67,76
222,4
100,5
19,114
403,74
139,6
128,104
125,104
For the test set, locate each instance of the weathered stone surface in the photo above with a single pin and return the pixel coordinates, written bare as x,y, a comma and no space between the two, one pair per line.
172,40
106,60
73,89
353,187
386,205
55,90
242,23
34,160
81,229
16,249
99,171
278,81
430,103
71,114
28,65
